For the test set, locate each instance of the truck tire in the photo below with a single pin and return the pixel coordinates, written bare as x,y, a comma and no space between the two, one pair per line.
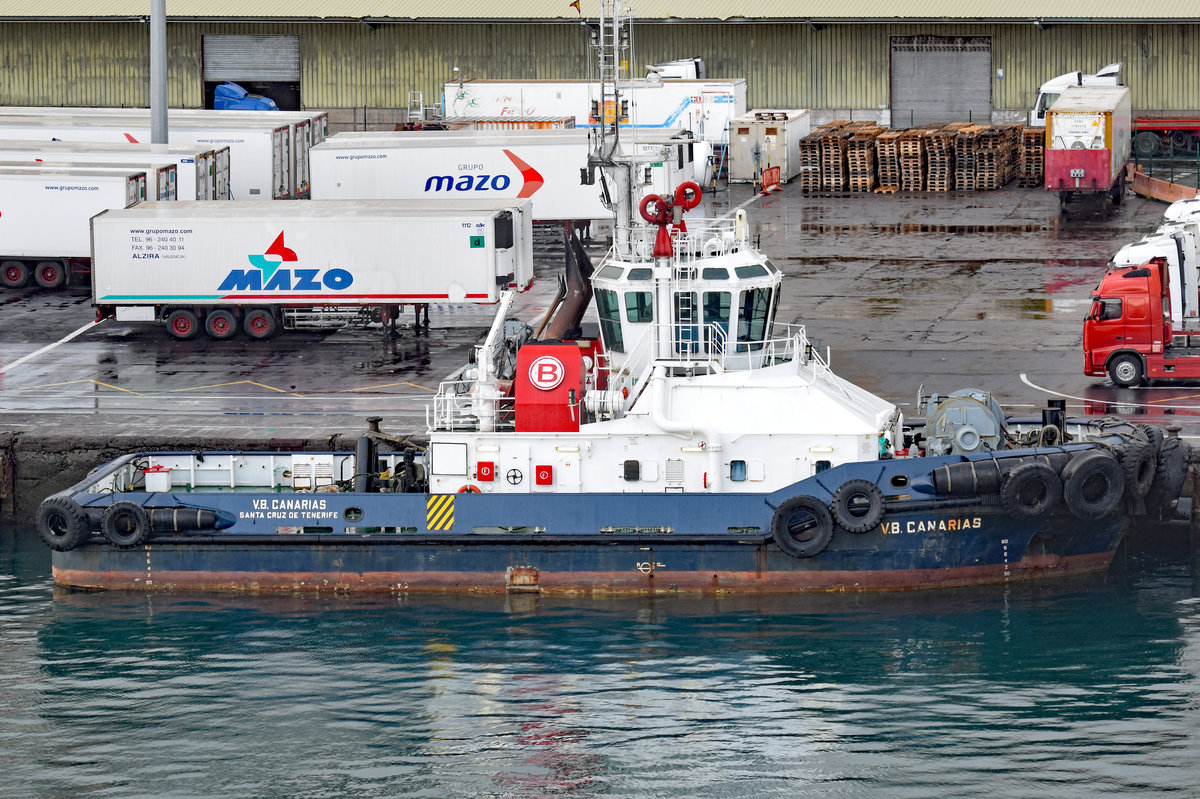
14,274
1181,140
1118,191
1126,370
182,324
50,274
1147,144
220,324
259,323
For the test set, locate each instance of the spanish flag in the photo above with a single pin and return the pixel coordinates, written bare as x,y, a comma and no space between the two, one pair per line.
575,5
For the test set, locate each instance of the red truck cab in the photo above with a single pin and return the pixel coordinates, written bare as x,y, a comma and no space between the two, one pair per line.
1127,335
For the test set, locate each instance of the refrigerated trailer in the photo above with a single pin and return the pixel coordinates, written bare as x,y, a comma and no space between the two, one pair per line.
44,213
305,128
701,106
1087,142
161,182
260,155
542,165
200,174
262,266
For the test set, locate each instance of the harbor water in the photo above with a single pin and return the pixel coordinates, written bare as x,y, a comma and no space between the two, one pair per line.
1078,688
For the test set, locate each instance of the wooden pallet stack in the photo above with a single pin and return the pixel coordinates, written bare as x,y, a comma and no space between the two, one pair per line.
887,161
1031,170
833,156
860,157
966,148
939,161
809,176
911,147
995,157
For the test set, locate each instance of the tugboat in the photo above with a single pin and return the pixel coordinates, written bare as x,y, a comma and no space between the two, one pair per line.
694,445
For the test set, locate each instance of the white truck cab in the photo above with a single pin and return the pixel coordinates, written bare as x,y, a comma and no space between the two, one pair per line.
1051,89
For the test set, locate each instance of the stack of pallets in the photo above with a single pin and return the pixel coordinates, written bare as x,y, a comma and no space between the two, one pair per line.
939,163
966,148
911,148
860,157
833,156
887,160
995,157
1030,172
809,175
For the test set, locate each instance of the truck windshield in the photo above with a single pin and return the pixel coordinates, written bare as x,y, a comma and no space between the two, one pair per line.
1044,102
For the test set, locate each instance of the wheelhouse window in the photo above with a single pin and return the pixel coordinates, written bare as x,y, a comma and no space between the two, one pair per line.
639,306
754,310
716,311
608,305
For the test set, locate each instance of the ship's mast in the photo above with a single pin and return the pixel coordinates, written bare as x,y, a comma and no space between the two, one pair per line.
611,43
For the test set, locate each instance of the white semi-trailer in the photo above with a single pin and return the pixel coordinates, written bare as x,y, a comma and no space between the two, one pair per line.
161,179
260,154
202,174
701,106
44,213
305,128
542,165
262,266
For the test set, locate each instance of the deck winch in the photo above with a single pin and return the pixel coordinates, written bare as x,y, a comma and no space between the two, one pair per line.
968,420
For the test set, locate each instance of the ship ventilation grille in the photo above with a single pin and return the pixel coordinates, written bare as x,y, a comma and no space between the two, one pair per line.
674,471
310,471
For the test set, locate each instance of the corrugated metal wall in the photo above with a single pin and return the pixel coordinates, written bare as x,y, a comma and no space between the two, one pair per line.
785,65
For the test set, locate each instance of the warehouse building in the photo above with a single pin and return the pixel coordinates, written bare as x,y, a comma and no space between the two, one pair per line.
373,63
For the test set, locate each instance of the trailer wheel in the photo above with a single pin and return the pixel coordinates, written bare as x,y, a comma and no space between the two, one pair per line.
1118,191
259,323
1126,370
220,324
1181,140
183,324
50,274
1147,144
14,274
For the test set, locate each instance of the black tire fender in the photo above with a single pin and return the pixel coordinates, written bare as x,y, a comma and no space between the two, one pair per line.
125,524
1137,463
857,505
1170,473
1031,490
1153,433
802,526
62,523
1093,483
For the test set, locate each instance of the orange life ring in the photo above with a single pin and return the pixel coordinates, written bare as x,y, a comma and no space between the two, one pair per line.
469,489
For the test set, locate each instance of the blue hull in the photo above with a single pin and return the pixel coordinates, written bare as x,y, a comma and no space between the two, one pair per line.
627,543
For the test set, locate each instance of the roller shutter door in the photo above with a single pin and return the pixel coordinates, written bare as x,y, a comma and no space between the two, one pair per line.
265,59
941,79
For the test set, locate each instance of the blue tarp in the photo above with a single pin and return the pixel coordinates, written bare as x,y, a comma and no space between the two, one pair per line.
230,96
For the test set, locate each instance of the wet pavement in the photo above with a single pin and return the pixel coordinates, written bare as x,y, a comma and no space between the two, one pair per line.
978,289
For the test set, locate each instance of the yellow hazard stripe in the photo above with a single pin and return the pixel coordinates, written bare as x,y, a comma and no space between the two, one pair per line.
439,512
